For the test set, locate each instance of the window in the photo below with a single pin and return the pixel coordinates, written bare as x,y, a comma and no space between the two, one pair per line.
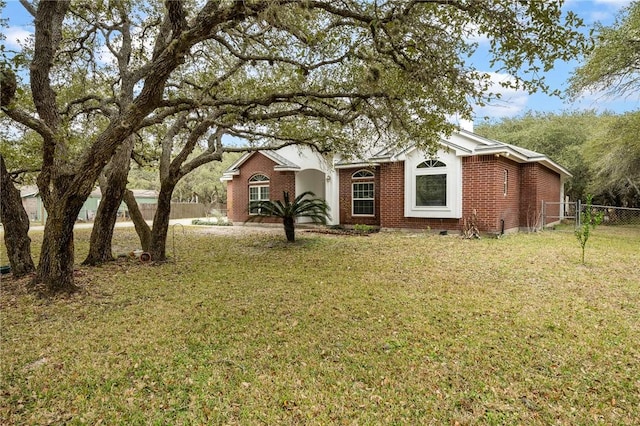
363,194
506,180
431,163
362,174
431,190
258,191
431,184
258,178
363,199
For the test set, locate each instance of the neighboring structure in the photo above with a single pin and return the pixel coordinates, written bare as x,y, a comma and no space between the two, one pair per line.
34,207
504,185
32,203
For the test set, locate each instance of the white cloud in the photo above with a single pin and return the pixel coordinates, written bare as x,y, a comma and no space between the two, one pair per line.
605,101
105,57
598,16
474,34
614,3
16,35
511,103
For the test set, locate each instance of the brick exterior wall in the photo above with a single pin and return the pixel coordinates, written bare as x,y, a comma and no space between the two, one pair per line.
549,186
392,203
509,204
538,184
529,207
346,195
238,188
482,190
480,187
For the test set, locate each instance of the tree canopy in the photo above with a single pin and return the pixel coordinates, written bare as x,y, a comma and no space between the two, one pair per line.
613,64
602,151
329,73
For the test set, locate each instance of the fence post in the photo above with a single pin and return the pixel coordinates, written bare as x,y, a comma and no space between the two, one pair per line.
578,210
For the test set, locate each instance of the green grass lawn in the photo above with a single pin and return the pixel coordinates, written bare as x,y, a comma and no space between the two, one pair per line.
392,328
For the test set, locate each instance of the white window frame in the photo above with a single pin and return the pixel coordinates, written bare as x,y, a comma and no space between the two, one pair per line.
372,199
262,187
505,183
452,170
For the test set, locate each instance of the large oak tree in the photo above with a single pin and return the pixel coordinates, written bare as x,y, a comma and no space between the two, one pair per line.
323,72
612,68
612,65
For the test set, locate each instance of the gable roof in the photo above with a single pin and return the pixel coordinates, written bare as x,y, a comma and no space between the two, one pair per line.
28,191
463,142
469,144
282,164
516,153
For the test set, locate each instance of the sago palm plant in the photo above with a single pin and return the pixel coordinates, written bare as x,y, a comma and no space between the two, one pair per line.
304,205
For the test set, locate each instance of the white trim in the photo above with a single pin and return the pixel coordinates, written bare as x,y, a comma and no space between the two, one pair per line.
355,165
260,186
453,172
505,182
370,175
359,181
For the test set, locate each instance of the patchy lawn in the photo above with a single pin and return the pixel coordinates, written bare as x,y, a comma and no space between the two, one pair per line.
388,328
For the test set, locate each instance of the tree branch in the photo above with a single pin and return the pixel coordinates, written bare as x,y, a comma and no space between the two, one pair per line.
30,121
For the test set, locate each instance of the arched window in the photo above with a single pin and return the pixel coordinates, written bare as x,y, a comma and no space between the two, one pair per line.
258,191
363,174
431,163
363,193
259,178
431,184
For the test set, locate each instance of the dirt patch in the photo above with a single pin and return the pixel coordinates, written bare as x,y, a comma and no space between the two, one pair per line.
237,229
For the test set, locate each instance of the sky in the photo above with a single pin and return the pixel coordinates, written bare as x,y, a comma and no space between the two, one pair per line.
513,103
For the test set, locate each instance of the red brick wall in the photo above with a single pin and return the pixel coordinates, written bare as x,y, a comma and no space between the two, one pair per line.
509,204
549,185
483,190
480,186
346,194
529,207
392,190
392,203
238,188
538,184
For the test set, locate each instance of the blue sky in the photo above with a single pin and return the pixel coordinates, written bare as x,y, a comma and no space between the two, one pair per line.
516,103
513,103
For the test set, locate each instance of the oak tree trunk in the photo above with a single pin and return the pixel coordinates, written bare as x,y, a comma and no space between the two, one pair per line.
161,224
16,225
142,229
113,188
55,268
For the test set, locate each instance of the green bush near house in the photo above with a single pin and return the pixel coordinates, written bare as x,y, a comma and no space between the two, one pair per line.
363,229
211,222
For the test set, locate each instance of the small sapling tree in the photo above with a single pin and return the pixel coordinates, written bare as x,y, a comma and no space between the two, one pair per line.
588,221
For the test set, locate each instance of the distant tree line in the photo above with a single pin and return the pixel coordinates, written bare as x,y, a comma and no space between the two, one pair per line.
602,151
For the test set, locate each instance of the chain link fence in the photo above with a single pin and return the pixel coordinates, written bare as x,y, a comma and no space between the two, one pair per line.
616,215
570,212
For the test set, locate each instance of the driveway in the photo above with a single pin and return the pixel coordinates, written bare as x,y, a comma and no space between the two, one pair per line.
239,229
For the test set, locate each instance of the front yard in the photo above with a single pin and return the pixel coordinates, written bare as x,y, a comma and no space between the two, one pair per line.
391,328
